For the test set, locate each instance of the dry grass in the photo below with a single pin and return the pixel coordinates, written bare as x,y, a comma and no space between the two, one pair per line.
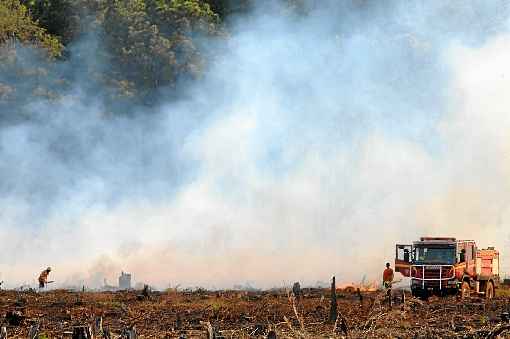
253,315
503,291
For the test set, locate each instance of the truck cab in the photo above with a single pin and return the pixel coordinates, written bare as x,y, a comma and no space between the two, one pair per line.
440,265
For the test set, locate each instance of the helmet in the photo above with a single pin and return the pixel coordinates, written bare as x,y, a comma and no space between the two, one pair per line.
48,269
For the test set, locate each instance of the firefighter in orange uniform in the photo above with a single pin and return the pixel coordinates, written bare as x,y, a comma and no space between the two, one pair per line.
387,276
387,282
43,277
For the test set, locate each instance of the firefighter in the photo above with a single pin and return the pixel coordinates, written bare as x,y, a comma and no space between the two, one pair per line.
43,277
387,281
387,276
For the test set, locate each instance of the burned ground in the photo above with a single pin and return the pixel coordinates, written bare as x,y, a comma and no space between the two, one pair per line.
235,314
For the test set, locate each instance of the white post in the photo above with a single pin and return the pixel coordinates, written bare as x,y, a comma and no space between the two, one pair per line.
423,276
440,276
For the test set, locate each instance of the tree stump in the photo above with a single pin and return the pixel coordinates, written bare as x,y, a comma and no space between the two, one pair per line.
333,308
146,291
210,331
271,335
106,333
178,322
98,325
82,332
14,318
129,333
360,296
33,333
296,289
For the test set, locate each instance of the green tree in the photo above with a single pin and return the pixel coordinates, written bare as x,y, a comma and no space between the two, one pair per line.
56,16
24,75
154,43
226,8
17,25
229,8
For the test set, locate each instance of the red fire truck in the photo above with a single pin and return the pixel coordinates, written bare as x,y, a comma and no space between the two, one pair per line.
443,266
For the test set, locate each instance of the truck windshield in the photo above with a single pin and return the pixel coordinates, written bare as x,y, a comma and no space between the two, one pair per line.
435,255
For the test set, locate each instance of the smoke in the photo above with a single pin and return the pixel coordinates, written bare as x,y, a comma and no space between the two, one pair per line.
312,146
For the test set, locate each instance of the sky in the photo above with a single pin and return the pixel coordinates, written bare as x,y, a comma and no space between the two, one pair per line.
309,149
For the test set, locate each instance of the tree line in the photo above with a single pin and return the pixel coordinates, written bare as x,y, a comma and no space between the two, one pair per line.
147,44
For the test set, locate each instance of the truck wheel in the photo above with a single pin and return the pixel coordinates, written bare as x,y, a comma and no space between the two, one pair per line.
465,290
489,290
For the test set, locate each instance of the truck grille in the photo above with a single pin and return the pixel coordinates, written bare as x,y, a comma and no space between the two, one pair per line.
432,275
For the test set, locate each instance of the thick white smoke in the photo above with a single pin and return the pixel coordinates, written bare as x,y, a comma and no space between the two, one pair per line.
311,147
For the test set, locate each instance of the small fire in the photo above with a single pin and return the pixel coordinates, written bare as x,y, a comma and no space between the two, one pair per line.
353,287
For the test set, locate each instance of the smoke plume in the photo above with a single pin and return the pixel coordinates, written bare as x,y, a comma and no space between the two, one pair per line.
311,146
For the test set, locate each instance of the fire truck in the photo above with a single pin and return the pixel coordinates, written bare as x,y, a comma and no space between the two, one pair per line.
442,266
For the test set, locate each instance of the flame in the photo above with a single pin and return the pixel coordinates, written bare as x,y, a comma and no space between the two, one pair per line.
353,287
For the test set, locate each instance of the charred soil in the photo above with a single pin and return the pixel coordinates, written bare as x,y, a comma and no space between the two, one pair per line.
234,314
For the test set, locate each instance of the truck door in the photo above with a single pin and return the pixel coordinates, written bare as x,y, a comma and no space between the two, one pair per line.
403,259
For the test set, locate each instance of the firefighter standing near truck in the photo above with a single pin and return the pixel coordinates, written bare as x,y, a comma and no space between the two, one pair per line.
43,277
387,281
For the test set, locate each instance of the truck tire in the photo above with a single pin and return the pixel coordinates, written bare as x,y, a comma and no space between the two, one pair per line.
419,293
489,290
465,290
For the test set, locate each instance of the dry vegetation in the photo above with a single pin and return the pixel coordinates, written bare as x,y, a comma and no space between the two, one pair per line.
234,314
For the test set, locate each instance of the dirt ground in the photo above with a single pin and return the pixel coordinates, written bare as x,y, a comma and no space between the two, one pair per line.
233,314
